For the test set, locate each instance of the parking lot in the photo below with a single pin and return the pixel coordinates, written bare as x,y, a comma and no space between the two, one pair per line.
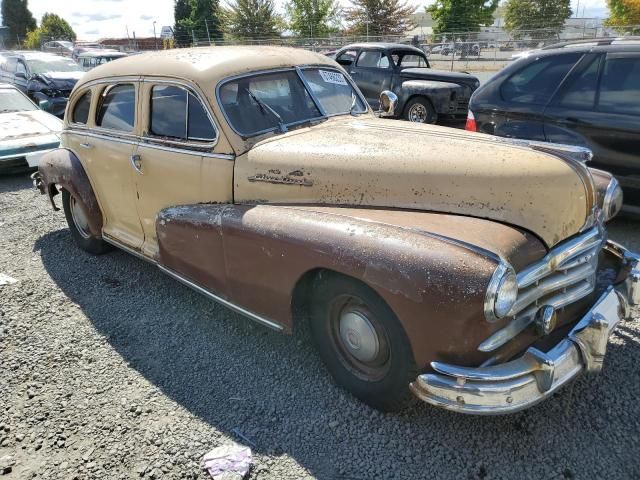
112,370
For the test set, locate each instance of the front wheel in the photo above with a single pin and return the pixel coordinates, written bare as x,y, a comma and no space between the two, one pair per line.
79,226
420,110
362,343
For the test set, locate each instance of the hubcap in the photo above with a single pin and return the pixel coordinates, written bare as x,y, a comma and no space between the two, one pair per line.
79,218
358,336
418,113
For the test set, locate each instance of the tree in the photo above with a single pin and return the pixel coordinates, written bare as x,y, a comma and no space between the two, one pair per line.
16,16
252,19
461,15
196,20
623,14
52,27
543,15
313,18
382,17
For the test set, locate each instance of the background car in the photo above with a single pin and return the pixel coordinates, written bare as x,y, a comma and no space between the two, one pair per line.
26,132
42,76
424,95
580,93
61,47
92,58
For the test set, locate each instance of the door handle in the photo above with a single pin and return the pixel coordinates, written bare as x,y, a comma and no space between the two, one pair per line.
136,163
353,73
86,145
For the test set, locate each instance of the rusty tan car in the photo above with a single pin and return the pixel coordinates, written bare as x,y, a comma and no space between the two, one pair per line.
471,272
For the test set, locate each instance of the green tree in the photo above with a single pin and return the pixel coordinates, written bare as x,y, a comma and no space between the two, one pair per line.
546,16
624,13
461,15
252,19
313,18
16,16
196,20
52,27
382,17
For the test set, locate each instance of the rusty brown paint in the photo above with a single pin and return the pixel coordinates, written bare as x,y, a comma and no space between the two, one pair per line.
61,167
255,255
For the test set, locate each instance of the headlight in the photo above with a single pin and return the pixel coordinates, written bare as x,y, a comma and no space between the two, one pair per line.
501,293
612,202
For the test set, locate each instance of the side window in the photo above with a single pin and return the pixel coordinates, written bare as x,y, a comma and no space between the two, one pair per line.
372,59
581,92
347,58
117,108
536,82
620,84
11,65
81,109
177,113
20,68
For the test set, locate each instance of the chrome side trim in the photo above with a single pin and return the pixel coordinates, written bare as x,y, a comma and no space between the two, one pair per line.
127,249
224,156
221,300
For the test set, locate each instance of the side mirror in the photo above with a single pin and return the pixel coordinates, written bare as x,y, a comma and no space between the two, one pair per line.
388,103
20,75
44,105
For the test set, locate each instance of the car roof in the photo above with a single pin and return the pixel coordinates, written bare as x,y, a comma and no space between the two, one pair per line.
32,55
384,45
101,53
588,45
207,64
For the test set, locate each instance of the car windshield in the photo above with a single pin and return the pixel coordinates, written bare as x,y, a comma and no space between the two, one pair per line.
276,100
42,65
13,101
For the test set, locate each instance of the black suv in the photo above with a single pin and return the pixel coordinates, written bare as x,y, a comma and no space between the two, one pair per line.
424,95
582,93
42,76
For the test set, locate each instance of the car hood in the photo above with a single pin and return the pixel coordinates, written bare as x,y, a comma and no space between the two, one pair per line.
440,76
61,80
386,163
23,132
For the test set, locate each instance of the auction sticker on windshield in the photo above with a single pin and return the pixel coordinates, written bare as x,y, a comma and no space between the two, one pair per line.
333,77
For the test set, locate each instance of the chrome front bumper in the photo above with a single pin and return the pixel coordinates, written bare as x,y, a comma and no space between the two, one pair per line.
521,383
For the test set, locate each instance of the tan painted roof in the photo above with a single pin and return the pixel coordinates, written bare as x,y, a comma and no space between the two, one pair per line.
207,64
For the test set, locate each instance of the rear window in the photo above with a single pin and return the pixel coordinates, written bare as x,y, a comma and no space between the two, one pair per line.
117,108
536,82
620,85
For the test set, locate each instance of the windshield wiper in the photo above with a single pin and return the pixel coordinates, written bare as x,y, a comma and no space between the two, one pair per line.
266,108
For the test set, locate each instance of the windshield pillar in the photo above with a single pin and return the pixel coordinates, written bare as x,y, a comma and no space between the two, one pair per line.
310,90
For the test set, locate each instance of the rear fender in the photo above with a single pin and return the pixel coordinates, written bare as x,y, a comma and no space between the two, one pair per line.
61,168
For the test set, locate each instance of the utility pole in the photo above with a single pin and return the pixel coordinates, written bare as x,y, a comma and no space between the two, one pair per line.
155,39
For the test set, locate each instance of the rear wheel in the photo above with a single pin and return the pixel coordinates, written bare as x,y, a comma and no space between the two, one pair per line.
420,110
362,343
79,226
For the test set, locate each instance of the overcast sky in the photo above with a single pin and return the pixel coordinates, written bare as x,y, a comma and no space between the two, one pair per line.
93,19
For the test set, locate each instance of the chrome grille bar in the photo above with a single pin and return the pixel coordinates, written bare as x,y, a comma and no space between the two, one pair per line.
566,274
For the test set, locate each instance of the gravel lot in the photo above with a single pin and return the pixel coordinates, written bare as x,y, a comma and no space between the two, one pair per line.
109,369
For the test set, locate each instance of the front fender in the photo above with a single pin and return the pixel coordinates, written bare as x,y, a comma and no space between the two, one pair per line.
254,257
439,93
61,168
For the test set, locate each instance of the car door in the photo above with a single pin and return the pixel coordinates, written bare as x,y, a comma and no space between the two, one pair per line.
107,153
176,162
372,72
599,107
524,95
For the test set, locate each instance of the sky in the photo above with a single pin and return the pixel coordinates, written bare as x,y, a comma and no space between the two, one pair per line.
94,19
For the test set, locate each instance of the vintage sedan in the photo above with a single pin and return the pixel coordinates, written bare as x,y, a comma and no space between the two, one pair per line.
472,271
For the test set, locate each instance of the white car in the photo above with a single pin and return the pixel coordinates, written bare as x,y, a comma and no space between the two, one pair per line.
26,132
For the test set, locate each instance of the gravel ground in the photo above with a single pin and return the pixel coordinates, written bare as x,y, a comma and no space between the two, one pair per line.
109,369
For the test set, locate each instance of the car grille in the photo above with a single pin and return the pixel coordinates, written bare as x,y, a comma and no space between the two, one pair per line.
566,274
